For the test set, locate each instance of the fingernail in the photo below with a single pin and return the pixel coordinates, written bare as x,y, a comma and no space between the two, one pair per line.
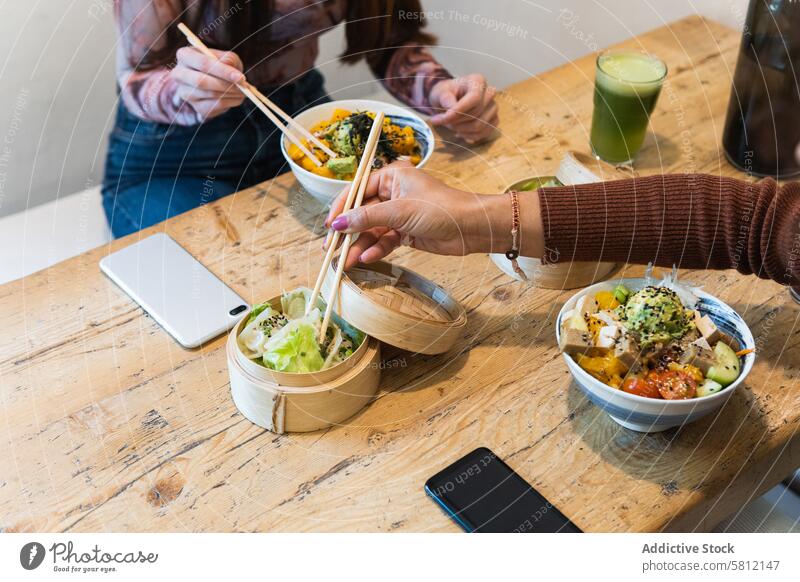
340,223
236,77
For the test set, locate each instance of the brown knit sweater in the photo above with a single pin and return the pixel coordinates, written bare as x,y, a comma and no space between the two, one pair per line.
694,221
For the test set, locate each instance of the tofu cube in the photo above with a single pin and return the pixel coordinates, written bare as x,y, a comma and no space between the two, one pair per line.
627,351
707,328
586,305
574,341
607,337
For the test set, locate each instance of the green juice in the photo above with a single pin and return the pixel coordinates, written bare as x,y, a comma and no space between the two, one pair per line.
626,89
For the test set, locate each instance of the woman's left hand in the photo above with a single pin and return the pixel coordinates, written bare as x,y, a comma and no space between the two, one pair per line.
468,107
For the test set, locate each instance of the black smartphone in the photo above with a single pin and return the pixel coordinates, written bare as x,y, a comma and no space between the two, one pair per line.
483,494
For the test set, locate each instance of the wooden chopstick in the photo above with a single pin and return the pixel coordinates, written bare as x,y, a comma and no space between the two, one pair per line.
294,125
355,187
333,246
334,242
249,92
367,159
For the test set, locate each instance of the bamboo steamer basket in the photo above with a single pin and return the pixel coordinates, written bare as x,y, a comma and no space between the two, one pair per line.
575,168
398,306
292,402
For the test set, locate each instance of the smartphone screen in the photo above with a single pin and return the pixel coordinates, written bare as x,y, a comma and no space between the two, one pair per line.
483,494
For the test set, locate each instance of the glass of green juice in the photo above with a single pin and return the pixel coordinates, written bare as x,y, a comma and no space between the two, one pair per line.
626,88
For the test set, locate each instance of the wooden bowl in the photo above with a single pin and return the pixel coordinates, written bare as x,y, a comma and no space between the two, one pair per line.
575,168
291,402
398,306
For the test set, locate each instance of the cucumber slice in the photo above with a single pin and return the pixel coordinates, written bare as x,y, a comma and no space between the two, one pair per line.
708,387
342,166
726,365
621,293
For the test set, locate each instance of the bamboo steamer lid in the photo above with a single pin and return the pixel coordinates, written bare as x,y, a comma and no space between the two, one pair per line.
398,307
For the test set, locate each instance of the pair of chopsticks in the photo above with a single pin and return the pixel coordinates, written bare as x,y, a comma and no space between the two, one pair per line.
354,198
266,106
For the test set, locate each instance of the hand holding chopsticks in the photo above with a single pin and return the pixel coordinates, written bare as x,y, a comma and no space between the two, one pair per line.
354,198
266,106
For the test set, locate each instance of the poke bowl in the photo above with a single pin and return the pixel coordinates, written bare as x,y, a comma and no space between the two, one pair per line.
658,386
334,123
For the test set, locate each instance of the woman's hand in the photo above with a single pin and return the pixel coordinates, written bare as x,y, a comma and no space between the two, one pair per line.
404,205
468,105
208,85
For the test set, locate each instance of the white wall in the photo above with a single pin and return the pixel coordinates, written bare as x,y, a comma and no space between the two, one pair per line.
57,75
510,40
57,79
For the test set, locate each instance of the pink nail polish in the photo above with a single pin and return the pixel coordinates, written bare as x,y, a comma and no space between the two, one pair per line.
339,223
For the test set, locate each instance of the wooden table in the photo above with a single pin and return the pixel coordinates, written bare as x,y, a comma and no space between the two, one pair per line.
109,425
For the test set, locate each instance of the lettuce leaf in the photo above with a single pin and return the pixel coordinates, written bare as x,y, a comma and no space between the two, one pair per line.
287,340
295,351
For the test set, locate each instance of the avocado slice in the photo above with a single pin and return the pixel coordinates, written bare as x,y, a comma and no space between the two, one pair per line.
621,293
726,366
342,166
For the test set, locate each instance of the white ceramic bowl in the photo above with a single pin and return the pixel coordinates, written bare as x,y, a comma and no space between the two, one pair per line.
651,414
570,275
564,275
326,189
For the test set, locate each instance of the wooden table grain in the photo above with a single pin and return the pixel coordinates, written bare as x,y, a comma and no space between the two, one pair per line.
109,425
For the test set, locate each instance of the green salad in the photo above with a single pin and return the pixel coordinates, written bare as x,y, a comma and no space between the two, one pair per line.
286,340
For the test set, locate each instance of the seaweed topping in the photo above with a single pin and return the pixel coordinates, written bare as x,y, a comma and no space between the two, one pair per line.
349,137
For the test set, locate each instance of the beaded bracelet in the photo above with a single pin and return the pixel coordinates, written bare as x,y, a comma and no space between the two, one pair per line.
513,253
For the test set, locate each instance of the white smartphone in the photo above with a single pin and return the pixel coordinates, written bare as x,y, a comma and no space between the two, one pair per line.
181,294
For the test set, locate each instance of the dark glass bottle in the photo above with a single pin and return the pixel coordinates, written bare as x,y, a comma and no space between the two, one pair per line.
762,129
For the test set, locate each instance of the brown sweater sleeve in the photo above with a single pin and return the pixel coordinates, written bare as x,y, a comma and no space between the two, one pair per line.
694,221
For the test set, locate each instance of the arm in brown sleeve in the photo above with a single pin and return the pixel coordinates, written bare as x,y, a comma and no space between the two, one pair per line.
694,221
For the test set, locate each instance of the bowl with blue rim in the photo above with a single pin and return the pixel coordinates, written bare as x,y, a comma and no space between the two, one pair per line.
326,189
644,414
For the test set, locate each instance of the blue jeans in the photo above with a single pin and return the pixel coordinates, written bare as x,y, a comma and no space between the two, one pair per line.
154,171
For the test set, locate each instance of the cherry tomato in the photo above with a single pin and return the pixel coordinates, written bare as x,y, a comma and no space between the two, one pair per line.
673,384
640,387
